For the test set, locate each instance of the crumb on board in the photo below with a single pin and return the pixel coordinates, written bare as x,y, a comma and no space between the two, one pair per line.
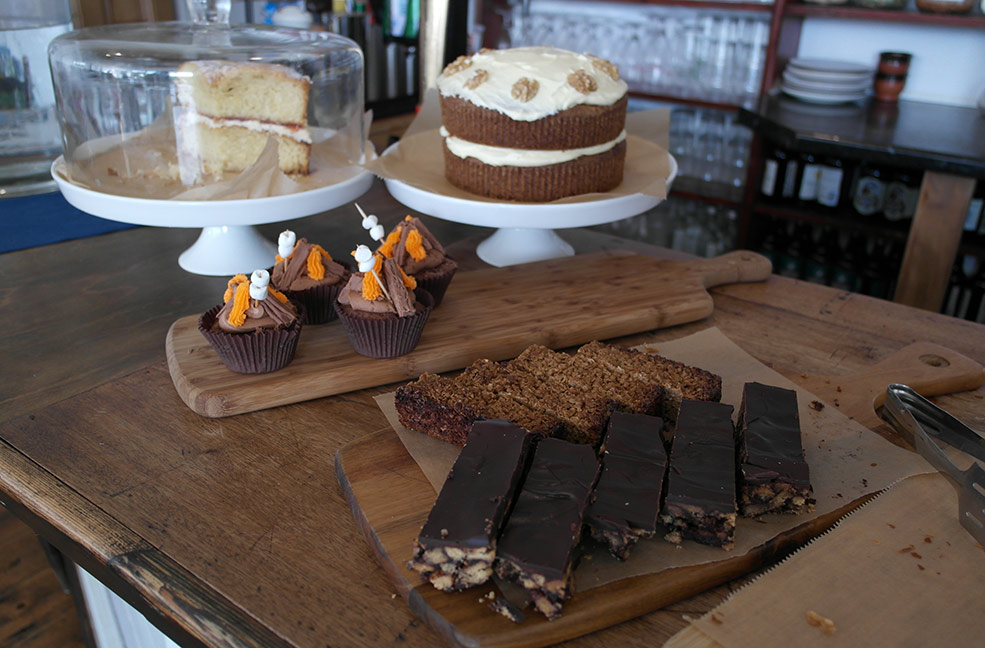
906,549
826,625
715,619
500,605
816,405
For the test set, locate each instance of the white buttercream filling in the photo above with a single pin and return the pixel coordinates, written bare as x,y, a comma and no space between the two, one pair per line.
548,66
299,134
501,156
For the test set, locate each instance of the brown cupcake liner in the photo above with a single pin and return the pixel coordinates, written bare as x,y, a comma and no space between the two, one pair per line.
575,127
587,174
435,281
385,337
260,351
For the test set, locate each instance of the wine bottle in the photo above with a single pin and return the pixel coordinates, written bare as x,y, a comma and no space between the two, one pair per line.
831,179
869,195
809,174
902,192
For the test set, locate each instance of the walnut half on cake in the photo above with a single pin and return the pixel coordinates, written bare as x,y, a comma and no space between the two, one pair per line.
227,110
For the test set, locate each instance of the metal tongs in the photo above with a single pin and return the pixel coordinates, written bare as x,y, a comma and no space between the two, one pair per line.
925,424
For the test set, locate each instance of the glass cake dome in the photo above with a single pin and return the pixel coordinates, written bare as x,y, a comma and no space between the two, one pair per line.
153,110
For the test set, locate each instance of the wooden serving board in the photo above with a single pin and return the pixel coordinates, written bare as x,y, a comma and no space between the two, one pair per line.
391,498
493,313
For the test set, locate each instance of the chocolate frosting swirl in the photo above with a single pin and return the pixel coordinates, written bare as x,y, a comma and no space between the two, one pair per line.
261,314
434,252
293,275
403,299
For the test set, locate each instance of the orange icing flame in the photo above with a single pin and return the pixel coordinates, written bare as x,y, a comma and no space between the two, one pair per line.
236,280
415,245
276,293
409,282
316,269
386,249
371,287
240,303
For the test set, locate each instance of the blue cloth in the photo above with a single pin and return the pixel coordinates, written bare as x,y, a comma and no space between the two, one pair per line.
30,221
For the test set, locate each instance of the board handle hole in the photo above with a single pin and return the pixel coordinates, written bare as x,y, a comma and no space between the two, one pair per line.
934,360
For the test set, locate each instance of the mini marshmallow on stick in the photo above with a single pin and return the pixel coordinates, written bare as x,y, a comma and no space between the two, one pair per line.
285,245
367,263
372,225
258,284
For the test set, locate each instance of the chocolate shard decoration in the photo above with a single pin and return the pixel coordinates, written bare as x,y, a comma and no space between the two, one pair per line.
773,475
700,501
627,498
457,545
537,548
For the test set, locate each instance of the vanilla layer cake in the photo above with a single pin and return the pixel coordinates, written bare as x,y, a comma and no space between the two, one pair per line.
228,110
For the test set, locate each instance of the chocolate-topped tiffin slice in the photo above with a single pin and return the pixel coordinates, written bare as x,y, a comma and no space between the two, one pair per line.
626,501
537,548
457,544
773,475
700,502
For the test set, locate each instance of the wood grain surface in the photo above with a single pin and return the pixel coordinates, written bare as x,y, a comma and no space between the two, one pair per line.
493,313
234,531
390,499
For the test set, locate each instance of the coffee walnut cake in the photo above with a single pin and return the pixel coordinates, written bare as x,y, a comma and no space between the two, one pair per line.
533,124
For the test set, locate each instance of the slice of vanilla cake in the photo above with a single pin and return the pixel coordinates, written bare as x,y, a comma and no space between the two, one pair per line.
228,110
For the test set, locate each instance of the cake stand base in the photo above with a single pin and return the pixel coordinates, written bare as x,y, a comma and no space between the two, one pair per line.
514,245
227,250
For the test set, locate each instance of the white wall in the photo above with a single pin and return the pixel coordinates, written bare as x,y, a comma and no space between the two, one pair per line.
948,63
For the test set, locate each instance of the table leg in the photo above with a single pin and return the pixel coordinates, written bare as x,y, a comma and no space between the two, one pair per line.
933,241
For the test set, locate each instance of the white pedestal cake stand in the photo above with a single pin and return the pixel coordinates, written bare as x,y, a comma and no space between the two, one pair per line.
525,230
228,243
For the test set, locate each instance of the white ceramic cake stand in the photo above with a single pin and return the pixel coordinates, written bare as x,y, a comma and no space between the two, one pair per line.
228,243
525,230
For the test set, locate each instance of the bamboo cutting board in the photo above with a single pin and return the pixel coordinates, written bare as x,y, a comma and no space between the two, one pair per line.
493,313
391,498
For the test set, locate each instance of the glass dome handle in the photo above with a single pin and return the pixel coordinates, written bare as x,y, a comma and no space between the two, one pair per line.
209,12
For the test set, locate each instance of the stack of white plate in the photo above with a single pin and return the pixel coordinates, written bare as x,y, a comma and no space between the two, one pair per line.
826,82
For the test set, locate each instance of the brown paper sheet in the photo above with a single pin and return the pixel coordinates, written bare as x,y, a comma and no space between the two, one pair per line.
418,160
900,571
847,462
144,165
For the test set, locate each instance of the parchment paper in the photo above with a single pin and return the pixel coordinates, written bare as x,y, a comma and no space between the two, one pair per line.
847,462
145,165
418,160
900,571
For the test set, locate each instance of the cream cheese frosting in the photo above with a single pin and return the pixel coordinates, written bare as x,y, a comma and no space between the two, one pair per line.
530,83
500,156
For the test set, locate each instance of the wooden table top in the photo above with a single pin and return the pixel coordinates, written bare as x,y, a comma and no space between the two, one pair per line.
195,521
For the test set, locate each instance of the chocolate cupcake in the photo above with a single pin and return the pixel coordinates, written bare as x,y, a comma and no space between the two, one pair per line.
382,321
421,256
306,273
256,329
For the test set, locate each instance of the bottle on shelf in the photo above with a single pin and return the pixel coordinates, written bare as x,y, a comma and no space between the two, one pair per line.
817,268
902,192
844,259
790,262
774,166
974,220
876,269
869,193
832,184
810,171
